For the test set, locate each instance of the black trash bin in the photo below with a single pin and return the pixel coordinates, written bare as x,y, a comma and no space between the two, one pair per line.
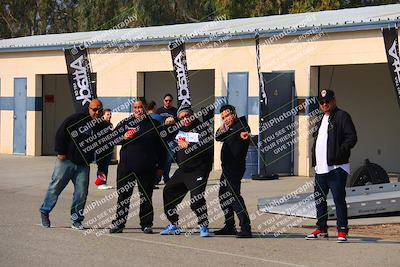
252,159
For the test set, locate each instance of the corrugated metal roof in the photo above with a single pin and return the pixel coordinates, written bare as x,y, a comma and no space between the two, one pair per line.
351,19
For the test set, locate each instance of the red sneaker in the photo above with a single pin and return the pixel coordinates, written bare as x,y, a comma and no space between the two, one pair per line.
341,237
317,234
101,179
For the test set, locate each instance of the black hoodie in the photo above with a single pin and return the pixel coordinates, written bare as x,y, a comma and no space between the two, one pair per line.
198,156
234,149
146,151
77,138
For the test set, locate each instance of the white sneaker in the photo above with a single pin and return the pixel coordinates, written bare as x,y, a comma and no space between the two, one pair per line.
104,187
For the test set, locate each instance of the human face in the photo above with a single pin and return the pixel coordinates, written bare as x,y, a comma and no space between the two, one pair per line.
138,110
107,116
153,110
327,106
184,117
167,102
228,117
95,109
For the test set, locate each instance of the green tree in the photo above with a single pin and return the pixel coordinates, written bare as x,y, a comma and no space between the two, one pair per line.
97,15
301,6
30,17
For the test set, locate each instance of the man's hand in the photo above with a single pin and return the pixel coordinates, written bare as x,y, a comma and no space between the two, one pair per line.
129,135
222,129
169,121
61,157
159,173
244,135
183,144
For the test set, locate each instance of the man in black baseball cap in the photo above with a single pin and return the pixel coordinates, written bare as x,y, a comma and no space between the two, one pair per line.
333,140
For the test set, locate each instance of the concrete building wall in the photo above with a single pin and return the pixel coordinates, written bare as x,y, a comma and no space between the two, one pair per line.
366,92
120,75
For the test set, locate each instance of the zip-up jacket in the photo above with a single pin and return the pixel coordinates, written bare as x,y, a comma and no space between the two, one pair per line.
342,137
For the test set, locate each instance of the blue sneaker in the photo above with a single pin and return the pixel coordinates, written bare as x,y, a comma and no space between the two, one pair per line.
204,231
171,230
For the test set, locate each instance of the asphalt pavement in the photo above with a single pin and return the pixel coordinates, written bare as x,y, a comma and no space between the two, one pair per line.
278,240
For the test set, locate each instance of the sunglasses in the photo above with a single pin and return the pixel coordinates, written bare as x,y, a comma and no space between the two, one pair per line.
95,110
324,102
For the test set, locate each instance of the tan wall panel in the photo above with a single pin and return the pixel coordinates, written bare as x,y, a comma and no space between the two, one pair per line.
6,131
33,133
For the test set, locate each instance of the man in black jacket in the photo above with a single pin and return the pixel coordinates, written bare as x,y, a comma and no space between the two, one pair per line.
76,145
141,159
333,140
194,159
234,133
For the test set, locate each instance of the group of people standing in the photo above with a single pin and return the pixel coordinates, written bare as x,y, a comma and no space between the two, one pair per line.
146,156
151,139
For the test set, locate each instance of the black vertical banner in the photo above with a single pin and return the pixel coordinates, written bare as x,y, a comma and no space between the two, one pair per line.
392,53
263,95
263,105
83,90
181,73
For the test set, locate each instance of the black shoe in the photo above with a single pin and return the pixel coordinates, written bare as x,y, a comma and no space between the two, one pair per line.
45,220
77,226
147,230
226,230
116,230
244,234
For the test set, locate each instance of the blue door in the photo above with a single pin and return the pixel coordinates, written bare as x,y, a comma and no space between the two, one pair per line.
238,91
19,116
276,139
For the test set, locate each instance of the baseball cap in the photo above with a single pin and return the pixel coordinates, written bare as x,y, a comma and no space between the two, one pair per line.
326,95
185,108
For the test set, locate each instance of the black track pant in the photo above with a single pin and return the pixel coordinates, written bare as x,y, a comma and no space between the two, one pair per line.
232,201
145,182
176,189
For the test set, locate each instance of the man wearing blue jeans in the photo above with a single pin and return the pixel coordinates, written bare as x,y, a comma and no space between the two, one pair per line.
74,143
65,171
335,137
169,113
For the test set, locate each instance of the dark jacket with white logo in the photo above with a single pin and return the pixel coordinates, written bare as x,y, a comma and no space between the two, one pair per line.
342,137
171,112
77,138
198,157
146,151
234,148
